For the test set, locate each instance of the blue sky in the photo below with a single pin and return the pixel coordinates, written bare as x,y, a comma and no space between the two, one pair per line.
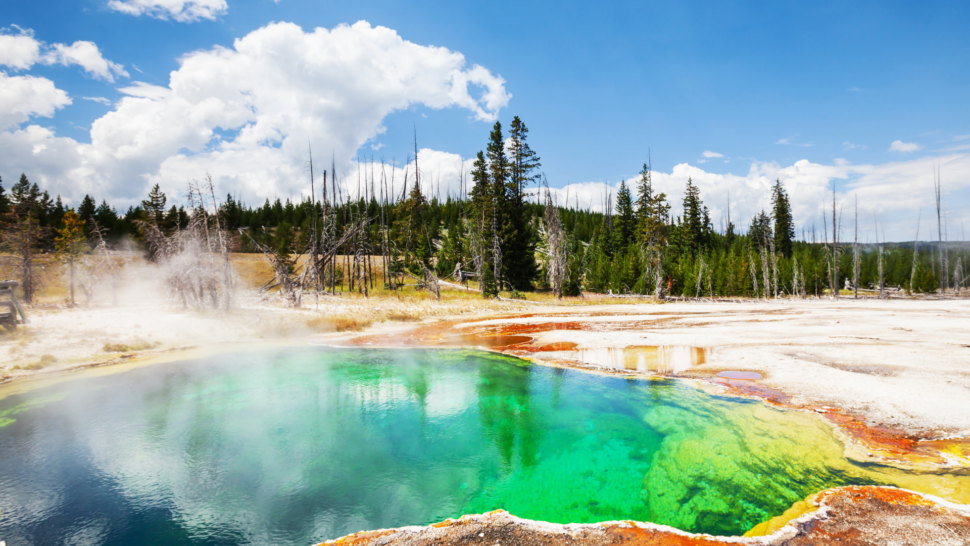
760,87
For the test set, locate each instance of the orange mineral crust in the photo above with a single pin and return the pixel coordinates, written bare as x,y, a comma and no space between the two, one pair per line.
846,515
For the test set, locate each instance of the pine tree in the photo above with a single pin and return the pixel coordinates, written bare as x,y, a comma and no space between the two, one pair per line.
57,212
519,251
21,196
155,206
644,196
480,246
624,224
760,230
784,221
498,168
694,221
86,210
107,218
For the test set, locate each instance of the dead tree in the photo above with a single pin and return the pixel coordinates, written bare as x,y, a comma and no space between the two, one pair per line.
554,245
20,238
196,261
754,273
855,253
912,273
941,251
834,276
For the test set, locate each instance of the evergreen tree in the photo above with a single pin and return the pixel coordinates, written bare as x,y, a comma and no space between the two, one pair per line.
22,199
784,221
154,206
624,223
107,218
4,201
644,196
498,169
694,222
519,255
86,210
482,205
760,230
57,213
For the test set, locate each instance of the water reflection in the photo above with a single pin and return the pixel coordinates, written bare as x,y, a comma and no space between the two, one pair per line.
299,447
663,359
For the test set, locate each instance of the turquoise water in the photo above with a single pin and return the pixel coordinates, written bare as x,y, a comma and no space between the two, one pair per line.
300,446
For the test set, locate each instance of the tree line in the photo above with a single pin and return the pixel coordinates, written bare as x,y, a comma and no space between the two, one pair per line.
505,232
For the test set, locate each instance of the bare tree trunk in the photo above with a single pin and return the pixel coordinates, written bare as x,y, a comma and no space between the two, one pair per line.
754,273
855,252
834,277
912,273
944,267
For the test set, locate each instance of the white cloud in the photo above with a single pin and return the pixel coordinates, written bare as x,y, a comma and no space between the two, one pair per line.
183,11
246,114
22,97
21,51
904,147
961,137
855,90
101,100
850,146
87,56
709,154
18,51
788,141
893,192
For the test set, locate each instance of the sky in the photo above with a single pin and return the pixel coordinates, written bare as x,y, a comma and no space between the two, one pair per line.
109,97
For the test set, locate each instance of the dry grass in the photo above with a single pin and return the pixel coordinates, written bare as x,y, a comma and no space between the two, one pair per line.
45,361
137,345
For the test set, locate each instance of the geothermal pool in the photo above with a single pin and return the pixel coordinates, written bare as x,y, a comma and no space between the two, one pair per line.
302,445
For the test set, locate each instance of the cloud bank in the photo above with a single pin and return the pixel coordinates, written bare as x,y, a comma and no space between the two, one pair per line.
890,194
247,114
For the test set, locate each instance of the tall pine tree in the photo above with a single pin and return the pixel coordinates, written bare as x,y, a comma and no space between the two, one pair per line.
155,206
624,223
784,221
519,250
498,169
694,222
481,228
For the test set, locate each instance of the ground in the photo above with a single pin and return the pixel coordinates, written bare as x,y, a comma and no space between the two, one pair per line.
892,376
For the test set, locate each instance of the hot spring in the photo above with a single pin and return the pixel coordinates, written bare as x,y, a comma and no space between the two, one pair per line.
302,445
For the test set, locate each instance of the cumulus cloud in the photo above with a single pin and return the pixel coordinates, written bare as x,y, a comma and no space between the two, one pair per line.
87,56
904,147
21,51
18,51
891,193
709,154
22,97
247,113
183,11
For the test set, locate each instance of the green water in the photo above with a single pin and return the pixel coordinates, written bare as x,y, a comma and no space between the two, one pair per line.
304,445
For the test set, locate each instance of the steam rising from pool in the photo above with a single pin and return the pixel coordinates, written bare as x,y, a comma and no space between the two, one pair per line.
300,446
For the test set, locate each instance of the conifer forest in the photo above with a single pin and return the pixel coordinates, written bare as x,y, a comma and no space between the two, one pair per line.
505,234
